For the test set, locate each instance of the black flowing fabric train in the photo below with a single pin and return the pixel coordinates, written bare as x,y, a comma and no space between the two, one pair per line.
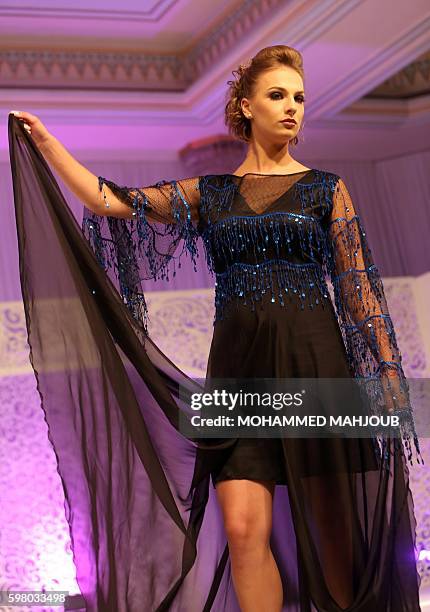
145,525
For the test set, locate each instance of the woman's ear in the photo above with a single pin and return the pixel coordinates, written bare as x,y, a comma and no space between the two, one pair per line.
245,108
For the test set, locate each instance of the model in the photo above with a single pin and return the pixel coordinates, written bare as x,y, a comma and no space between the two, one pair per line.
159,521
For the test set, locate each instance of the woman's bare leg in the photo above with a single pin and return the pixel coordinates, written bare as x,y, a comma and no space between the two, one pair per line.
247,511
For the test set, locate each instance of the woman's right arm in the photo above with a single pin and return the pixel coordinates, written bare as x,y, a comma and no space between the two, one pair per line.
82,182
164,202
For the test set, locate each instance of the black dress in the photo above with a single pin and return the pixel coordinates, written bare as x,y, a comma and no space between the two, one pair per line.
146,529
298,337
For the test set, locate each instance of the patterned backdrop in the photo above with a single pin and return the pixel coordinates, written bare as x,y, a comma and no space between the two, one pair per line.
34,539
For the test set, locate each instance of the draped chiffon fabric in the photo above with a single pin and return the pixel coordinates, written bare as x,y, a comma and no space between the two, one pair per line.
145,526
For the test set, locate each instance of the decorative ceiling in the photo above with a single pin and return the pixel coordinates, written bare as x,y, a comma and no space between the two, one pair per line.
161,67
411,81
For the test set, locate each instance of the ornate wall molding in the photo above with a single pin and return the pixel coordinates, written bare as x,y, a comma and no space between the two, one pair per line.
150,10
412,80
93,70
134,70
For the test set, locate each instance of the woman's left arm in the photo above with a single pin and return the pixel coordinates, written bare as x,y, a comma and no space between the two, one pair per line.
364,318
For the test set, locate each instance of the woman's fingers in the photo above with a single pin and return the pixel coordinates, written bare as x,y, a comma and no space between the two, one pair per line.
24,116
19,114
33,126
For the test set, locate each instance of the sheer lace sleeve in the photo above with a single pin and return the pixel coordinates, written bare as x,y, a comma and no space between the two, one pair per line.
150,244
365,321
164,202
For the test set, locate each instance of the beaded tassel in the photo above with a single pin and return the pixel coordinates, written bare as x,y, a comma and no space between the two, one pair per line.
136,249
317,195
255,235
216,196
250,282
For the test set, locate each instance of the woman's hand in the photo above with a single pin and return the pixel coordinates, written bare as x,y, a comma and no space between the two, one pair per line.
34,127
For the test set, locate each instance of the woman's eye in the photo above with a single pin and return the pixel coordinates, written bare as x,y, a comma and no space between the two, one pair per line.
300,98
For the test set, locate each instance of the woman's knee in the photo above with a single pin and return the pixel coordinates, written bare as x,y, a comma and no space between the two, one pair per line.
247,510
247,531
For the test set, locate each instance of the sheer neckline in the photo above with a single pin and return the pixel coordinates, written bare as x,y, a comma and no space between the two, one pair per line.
264,174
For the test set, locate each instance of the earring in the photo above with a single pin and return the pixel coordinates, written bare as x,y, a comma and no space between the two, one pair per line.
296,139
302,132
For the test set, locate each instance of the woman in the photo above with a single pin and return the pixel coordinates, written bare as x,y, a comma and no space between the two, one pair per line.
339,533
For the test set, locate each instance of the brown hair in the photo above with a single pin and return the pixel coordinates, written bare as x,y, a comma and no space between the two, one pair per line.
243,85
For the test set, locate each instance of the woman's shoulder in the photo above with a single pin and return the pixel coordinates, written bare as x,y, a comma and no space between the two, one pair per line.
311,172
323,172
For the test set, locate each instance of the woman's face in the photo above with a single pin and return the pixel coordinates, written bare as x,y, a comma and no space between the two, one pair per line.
278,95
